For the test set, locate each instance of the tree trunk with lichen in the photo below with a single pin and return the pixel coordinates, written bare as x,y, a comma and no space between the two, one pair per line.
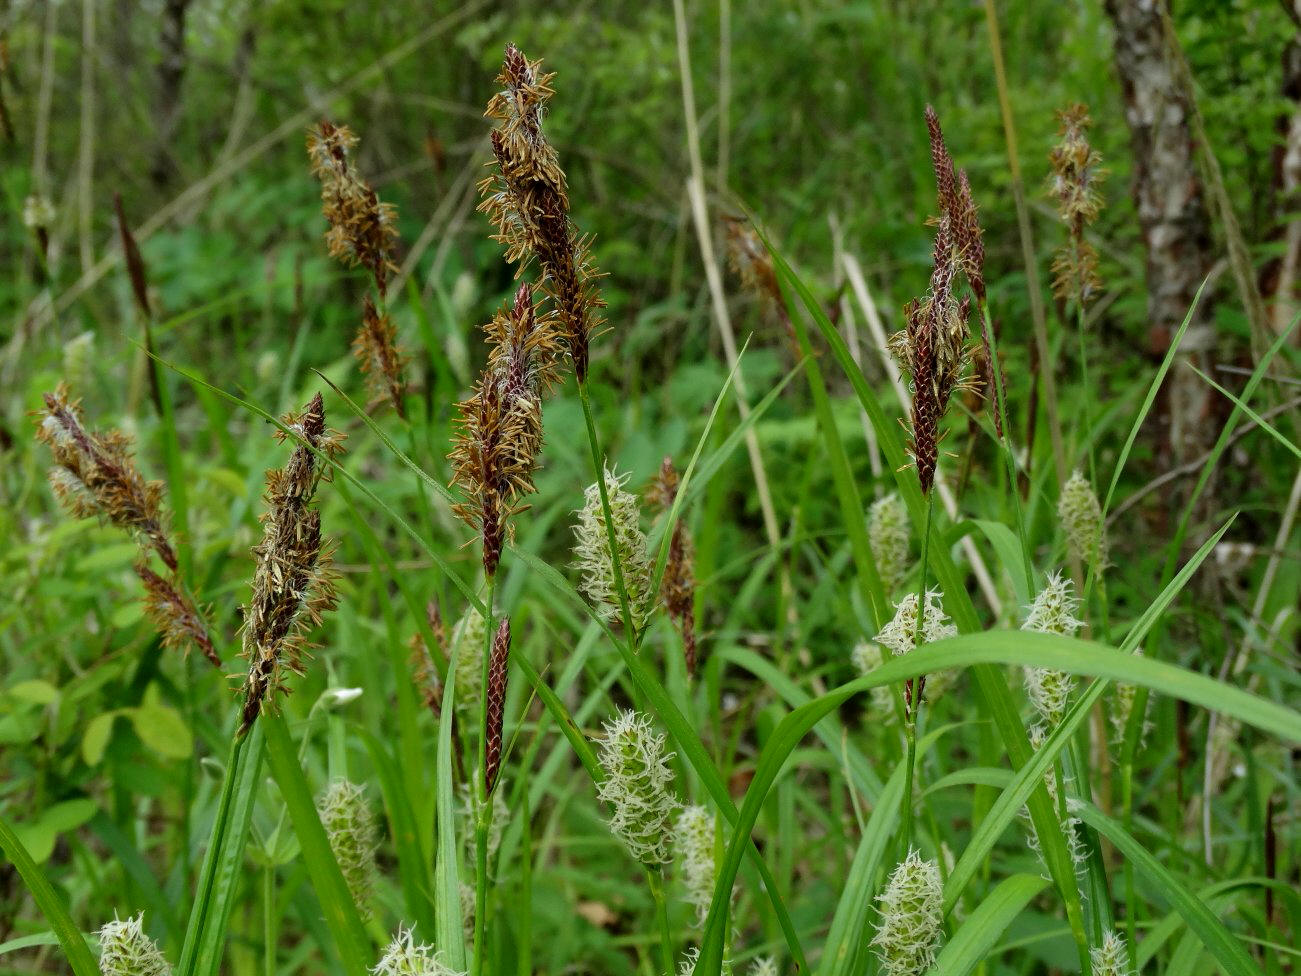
1173,216
1280,277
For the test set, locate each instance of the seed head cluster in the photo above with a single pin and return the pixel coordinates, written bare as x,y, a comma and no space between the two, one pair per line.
1081,518
910,929
354,837
95,476
678,585
1111,958
1077,171
900,635
527,201
637,786
406,957
1053,612
887,532
693,842
593,559
125,950
292,582
933,346
501,423
363,232
497,672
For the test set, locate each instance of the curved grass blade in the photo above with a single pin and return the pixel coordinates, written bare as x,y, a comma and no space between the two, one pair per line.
341,916
449,930
971,944
47,900
1201,920
1023,648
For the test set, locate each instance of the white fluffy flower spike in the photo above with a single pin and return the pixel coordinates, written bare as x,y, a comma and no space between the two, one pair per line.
404,957
911,926
125,950
592,553
1053,612
637,786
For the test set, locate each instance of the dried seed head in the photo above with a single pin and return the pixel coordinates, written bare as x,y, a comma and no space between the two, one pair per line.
1111,958
637,786
125,950
423,670
527,201
592,556
292,582
932,348
501,423
693,842
911,926
751,260
1081,518
382,362
887,532
362,229
354,838
96,475
405,957
496,704
174,614
678,585
1077,171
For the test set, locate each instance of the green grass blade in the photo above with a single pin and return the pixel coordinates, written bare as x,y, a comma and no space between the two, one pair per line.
1201,920
413,866
47,900
1152,389
971,944
840,951
1261,422
341,916
447,874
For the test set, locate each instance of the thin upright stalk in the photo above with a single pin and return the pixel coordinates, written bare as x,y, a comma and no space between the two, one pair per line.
269,937
655,878
483,804
915,698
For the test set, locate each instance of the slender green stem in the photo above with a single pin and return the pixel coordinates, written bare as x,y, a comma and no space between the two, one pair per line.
483,804
269,936
910,717
655,878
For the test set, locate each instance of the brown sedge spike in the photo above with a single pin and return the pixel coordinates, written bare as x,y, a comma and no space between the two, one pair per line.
497,673
678,585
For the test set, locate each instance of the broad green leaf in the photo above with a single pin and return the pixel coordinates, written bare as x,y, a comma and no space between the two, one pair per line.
35,692
96,737
162,729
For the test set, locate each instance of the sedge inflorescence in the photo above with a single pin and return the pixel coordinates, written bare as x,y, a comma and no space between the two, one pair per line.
95,476
596,563
406,957
887,533
354,837
527,201
678,585
910,929
1077,172
1111,958
933,346
125,950
693,840
500,435
293,584
1081,519
905,633
637,786
1053,612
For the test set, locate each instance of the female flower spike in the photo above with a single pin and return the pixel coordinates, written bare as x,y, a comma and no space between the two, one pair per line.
911,926
405,957
1053,612
350,827
125,950
637,782
592,555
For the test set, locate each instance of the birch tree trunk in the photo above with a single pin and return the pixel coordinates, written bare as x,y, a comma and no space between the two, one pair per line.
1173,217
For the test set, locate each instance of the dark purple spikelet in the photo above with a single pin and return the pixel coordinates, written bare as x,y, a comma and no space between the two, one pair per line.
497,674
